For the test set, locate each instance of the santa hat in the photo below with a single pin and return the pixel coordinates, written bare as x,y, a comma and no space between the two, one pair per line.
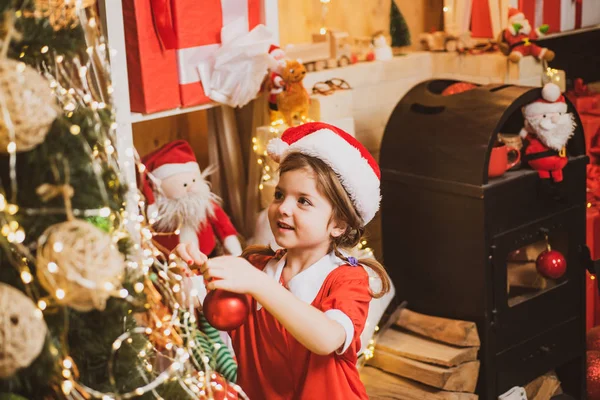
347,157
276,52
172,158
513,14
552,101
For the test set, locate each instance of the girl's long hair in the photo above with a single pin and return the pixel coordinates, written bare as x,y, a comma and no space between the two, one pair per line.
329,185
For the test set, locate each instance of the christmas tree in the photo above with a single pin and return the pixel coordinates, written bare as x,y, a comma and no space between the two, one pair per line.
89,307
398,27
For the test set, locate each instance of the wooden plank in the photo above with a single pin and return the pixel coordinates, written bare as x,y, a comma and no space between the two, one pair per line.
423,349
525,275
382,386
543,387
462,378
458,333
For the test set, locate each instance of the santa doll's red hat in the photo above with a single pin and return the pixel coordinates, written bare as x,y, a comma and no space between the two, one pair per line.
171,159
276,51
514,13
552,101
347,157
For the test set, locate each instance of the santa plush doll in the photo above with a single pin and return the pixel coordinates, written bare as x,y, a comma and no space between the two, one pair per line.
276,65
546,131
519,35
181,203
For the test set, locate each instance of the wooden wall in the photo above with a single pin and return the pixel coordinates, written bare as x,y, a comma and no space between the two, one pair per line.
298,20
149,135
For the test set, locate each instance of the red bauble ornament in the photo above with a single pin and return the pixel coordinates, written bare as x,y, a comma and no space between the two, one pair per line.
225,310
593,339
551,264
593,375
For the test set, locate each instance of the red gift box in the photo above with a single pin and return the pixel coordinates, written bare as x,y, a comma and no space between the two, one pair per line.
560,15
481,19
582,98
151,66
585,103
197,27
587,13
593,242
591,130
593,231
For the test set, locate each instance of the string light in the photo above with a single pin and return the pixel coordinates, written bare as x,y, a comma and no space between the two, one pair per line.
324,10
71,99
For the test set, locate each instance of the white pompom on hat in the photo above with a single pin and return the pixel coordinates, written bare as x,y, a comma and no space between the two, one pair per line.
552,101
357,170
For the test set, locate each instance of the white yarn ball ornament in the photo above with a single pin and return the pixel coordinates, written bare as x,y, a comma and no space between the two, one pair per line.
79,265
30,104
22,331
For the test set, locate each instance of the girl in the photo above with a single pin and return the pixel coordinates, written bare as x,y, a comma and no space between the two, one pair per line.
309,301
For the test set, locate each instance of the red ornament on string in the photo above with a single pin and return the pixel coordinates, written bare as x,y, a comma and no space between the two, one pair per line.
593,375
551,264
225,310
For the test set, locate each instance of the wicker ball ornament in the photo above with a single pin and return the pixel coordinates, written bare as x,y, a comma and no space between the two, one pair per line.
79,265
30,104
22,330
61,14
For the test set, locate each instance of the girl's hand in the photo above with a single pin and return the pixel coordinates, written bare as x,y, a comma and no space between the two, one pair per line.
234,274
191,255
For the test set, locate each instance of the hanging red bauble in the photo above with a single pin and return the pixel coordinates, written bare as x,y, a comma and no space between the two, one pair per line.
225,310
593,375
593,339
551,264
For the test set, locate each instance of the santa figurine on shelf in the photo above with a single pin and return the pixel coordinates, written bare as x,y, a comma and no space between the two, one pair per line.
276,84
181,204
546,131
518,37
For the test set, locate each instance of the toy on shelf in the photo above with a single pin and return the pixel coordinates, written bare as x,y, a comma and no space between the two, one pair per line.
383,51
293,101
362,49
442,41
548,128
180,201
274,81
517,40
328,50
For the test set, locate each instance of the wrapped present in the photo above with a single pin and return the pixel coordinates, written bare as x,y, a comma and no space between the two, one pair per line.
197,26
583,98
560,15
593,231
587,13
593,242
151,59
591,130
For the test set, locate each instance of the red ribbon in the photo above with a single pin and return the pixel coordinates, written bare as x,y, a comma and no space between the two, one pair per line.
164,23
578,8
580,88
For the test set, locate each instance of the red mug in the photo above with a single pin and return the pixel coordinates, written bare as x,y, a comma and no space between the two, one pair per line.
499,160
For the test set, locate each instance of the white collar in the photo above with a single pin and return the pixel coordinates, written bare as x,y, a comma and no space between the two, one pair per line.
306,284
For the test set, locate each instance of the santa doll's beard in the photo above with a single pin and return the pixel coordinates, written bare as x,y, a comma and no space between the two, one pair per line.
553,135
190,210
